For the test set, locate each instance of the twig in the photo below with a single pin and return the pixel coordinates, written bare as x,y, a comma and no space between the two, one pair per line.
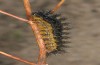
16,17
42,54
27,9
57,6
16,58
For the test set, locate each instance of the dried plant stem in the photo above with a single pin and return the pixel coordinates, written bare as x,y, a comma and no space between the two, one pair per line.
27,9
16,17
16,58
42,55
57,6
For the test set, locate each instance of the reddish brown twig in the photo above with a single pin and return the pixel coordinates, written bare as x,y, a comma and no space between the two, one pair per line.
16,17
42,55
16,58
57,6
27,9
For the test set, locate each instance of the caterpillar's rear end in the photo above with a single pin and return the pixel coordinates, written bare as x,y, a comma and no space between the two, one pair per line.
51,29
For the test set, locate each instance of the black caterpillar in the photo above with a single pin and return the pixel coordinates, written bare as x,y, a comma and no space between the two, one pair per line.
51,28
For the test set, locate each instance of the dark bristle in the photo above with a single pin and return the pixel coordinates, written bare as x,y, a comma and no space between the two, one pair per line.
67,23
67,28
57,26
56,15
66,37
62,19
66,42
66,33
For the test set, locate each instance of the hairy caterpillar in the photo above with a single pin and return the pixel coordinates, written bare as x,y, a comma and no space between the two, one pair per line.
51,30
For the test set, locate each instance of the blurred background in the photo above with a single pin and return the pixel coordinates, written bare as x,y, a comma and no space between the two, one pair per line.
17,38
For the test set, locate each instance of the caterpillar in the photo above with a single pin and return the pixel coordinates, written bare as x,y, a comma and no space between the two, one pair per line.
51,30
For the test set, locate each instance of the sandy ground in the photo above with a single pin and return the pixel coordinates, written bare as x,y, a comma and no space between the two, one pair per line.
17,38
